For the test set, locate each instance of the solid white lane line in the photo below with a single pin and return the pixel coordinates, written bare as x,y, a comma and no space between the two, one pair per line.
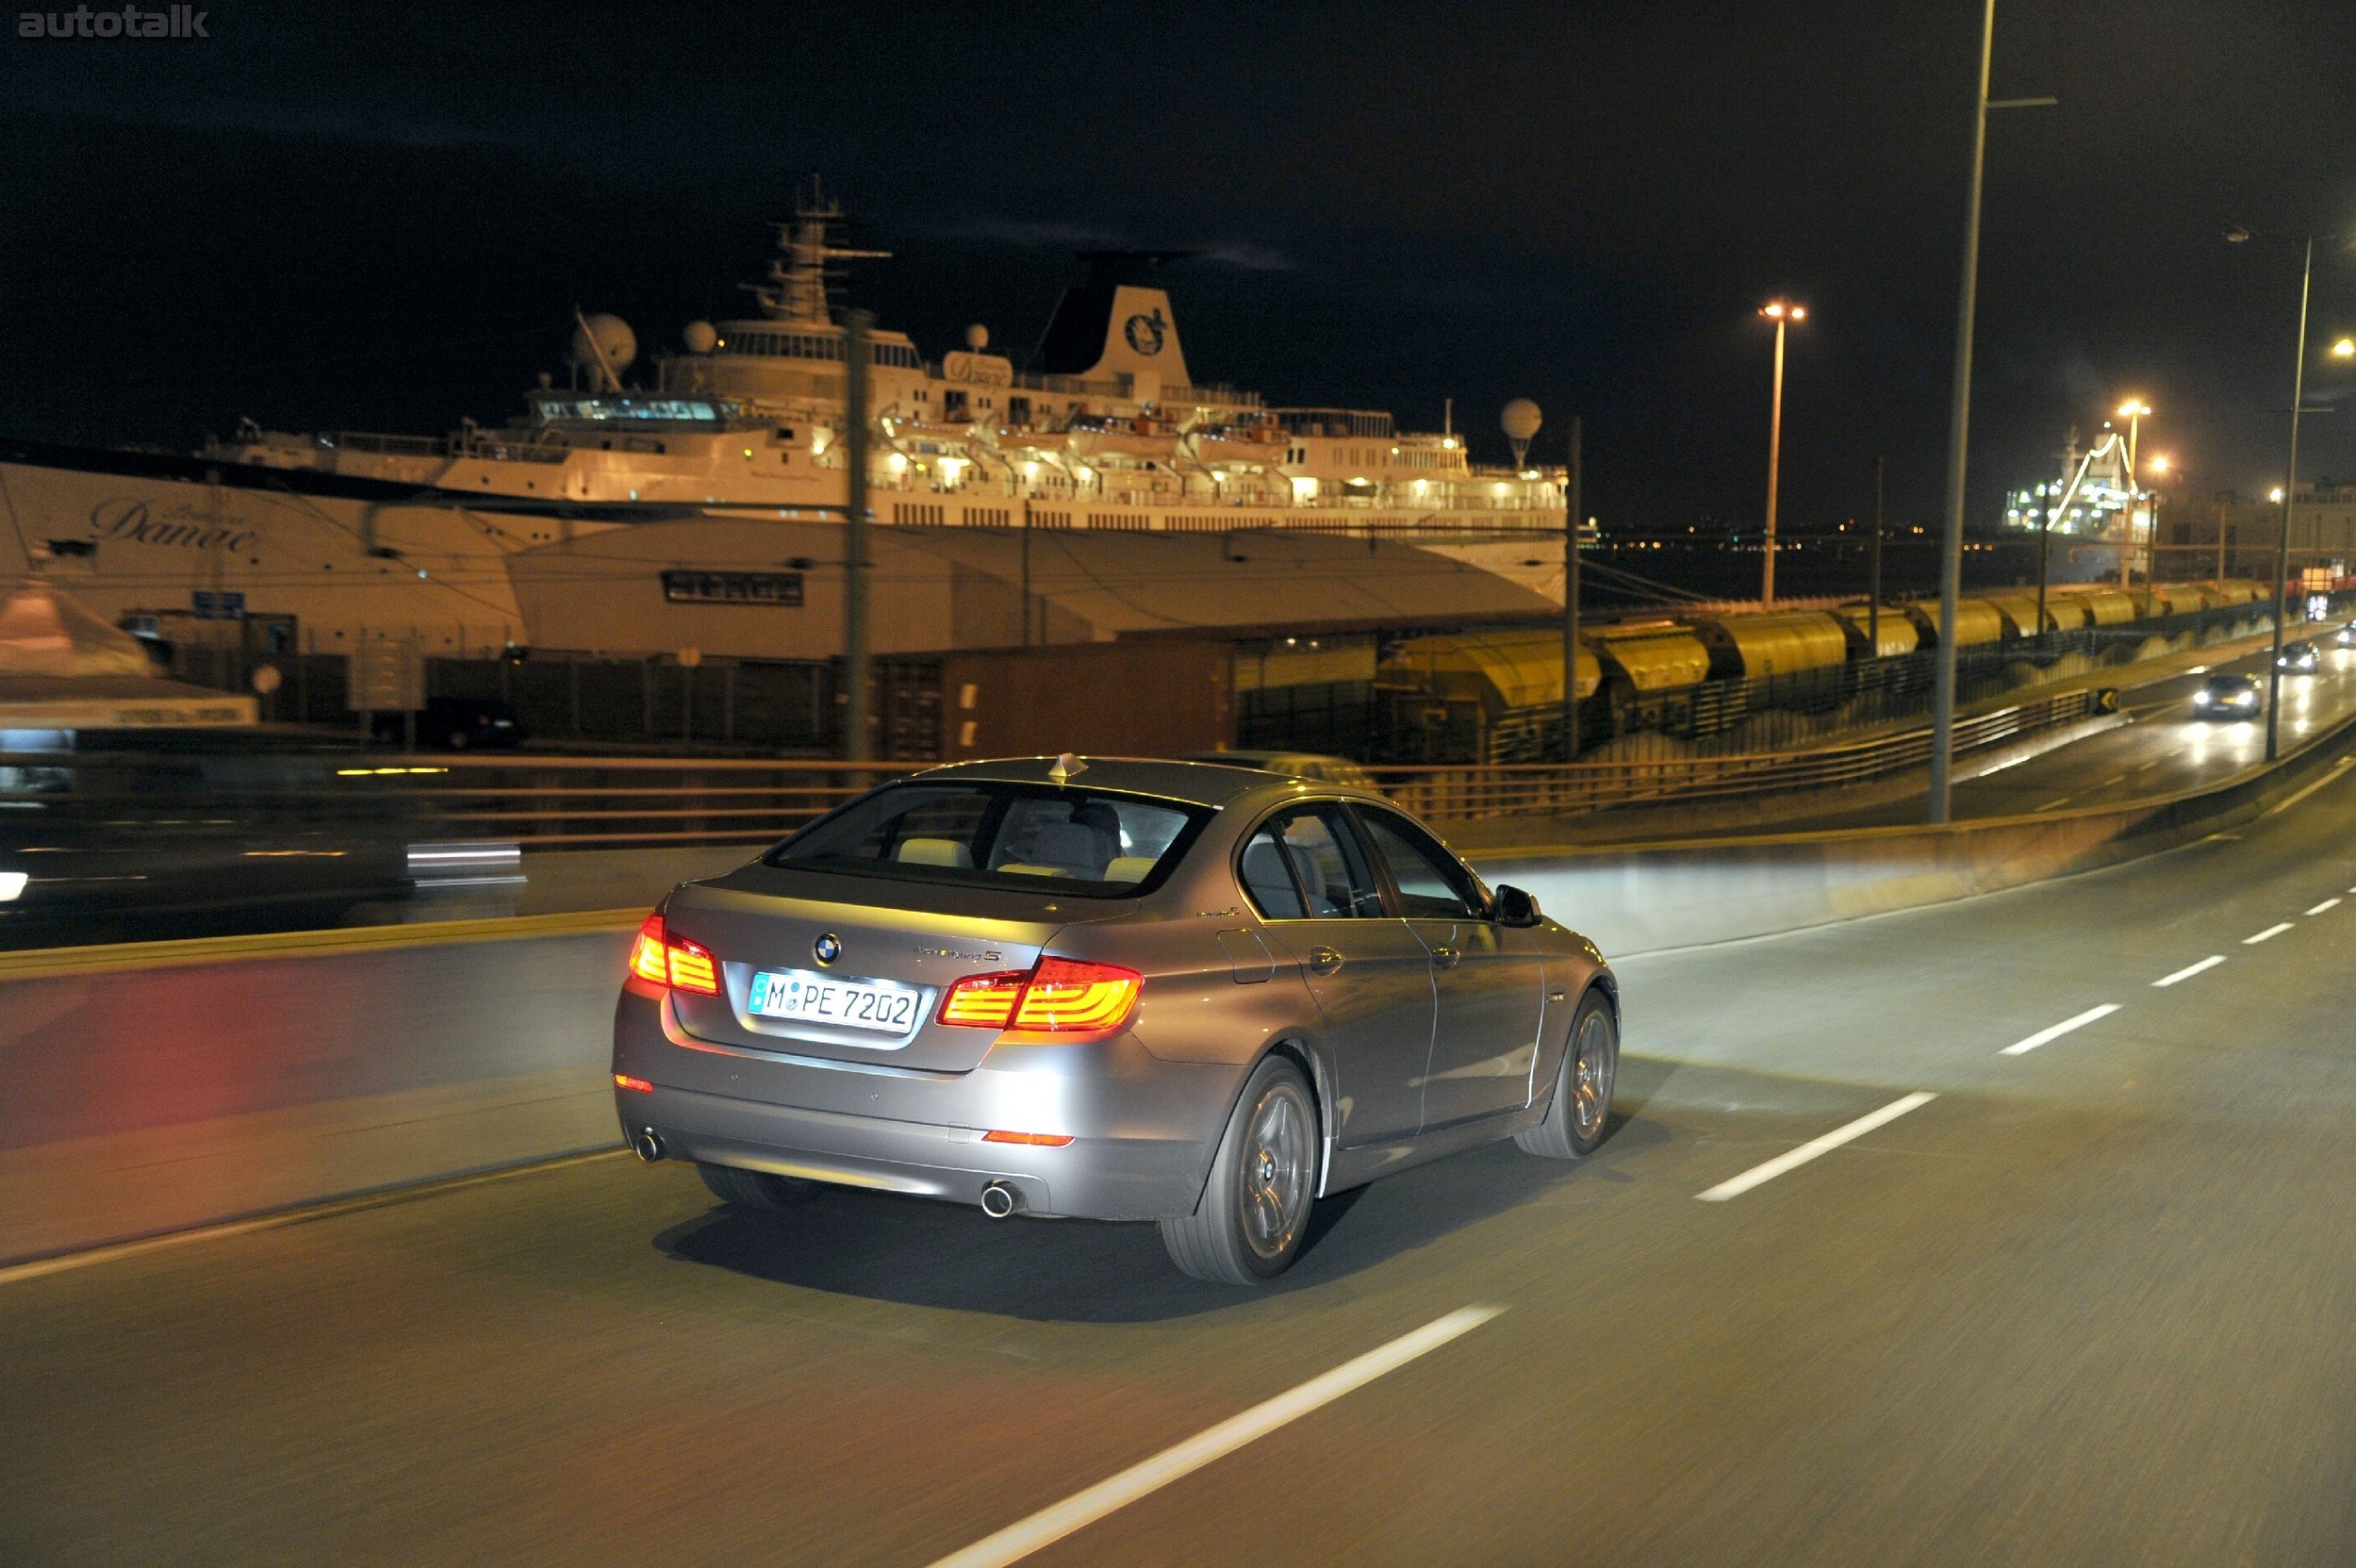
2270,931
2327,903
2046,1036
2327,778
1737,1186
1050,1525
2190,969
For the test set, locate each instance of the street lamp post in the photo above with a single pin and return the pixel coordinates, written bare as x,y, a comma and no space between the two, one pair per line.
2133,409
2288,495
1783,313
1959,433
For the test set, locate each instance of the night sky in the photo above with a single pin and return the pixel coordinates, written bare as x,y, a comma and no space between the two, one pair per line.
381,216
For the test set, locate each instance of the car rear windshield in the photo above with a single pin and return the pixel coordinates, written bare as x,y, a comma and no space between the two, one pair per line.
974,834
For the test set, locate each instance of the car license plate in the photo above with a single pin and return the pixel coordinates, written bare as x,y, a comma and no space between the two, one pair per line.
801,994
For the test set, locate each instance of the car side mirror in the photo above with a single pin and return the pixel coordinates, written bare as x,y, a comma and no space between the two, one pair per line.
1514,907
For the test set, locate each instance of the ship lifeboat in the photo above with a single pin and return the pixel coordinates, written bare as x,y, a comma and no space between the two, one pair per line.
1237,445
1155,440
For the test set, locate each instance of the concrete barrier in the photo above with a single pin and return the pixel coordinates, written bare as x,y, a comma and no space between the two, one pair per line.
161,1086
1631,899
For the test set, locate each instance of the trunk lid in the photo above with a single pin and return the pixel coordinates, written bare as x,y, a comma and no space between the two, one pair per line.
764,920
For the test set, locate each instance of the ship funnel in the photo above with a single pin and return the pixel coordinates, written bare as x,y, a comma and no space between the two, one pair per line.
1115,322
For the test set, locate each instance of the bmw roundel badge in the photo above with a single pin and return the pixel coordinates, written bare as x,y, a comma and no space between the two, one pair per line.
828,947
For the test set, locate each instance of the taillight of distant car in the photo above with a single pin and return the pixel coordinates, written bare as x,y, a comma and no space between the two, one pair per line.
662,959
1061,995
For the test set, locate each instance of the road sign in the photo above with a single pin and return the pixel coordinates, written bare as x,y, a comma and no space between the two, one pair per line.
208,604
384,676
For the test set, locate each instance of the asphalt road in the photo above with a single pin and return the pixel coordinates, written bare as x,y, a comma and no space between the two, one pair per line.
2090,1303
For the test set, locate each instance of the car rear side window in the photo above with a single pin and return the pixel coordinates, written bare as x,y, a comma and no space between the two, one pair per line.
1432,885
1001,834
1328,877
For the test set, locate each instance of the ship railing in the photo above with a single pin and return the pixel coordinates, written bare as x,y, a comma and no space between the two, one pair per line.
389,446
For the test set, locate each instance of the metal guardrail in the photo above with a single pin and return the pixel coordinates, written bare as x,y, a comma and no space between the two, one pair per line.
585,802
605,802
1513,789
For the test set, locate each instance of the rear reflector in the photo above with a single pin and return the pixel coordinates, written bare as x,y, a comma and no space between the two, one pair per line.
623,1081
1059,996
665,959
1044,1140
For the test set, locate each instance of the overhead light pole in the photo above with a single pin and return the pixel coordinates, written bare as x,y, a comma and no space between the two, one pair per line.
1959,431
2133,410
1783,313
2289,494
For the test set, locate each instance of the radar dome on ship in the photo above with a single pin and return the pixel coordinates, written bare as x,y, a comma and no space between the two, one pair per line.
701,336
977,337
610,335
1520,419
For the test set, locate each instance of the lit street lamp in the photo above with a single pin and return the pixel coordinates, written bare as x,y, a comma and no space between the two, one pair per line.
2288,492
2133,410
1783,313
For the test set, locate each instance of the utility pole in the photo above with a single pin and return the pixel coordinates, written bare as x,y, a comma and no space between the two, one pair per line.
2290,499
2045,517
1571,601
1958,434
856,326
1874,580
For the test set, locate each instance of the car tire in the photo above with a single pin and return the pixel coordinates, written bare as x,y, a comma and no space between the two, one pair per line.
1580,1114
754,1189
1247,1226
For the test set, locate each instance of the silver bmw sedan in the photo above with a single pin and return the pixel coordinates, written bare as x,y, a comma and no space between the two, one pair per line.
1199,995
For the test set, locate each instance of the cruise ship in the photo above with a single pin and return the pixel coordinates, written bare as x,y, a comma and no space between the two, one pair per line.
715,473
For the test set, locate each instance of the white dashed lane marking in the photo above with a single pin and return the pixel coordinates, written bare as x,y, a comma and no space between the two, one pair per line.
2327,903
1737,1186
2046,1036
2190,969
2267,934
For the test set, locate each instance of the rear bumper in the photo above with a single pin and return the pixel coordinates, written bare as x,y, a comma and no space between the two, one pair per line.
1144,1129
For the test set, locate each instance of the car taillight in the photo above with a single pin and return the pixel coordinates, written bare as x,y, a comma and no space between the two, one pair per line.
1059,996
646,953
1065,996
673,961
983,1002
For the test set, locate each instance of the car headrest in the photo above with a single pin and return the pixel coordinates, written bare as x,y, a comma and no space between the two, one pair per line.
934,852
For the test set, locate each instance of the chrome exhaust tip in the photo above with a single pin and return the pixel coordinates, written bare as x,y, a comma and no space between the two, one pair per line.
998,1199
647,1145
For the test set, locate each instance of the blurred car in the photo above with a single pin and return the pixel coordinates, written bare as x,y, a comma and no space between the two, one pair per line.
995,983
1294,765
457,724
2298,658
126,845
2226,697
2345,637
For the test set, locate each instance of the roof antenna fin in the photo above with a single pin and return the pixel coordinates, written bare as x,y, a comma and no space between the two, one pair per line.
1066,768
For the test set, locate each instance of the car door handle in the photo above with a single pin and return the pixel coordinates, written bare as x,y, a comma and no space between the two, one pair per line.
1324,960
1445,957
